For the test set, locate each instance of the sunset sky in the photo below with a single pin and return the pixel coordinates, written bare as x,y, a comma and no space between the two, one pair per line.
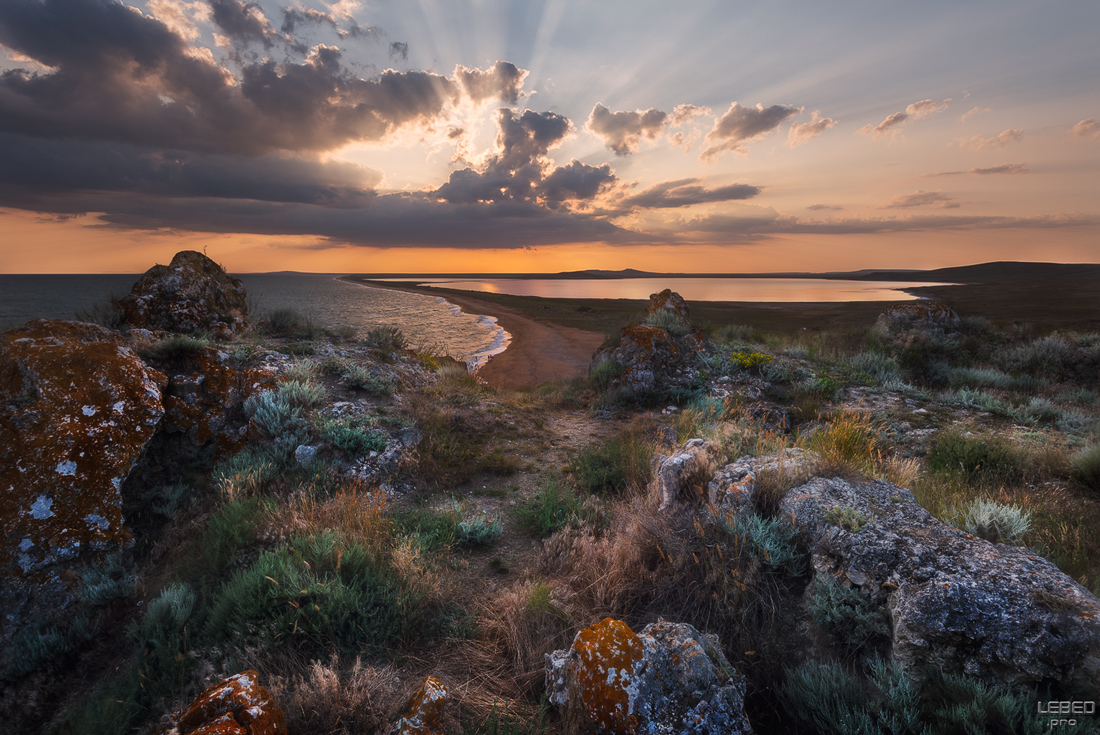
540,136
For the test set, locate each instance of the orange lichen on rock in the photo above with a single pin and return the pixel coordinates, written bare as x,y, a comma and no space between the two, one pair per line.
603,666
424,712
238,705
78,409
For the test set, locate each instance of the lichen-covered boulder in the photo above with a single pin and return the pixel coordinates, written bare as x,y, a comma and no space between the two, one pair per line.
189,294
668,309
658,357
77,410
684,475
732,489
238,705
955,602
423,713
204,399
669,679
920,317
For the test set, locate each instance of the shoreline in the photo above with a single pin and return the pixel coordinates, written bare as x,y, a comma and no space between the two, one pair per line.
538,351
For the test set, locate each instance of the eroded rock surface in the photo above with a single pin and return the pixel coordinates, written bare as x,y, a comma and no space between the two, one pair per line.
239,705
956,602
684,474
732,489
423,713
77,409
189,294
668,679
669,308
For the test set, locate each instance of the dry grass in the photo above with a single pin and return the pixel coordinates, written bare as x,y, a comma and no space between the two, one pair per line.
357,512
847,444
335,698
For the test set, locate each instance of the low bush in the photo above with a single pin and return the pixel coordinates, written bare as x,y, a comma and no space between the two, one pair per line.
1086,468
289,322
172,498
112,578
330,697
40,643
549,510
772,541
176,348
389,339
603,373
613,466
848,441
105,313
359,377
981,460
993,521
232,528
666,320
433,529
749,360
852,621
875,367
480,531
353,437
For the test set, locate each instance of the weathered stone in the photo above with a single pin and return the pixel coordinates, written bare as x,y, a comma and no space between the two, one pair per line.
189,294
917,317
205,401
424,711
955,602
669,309
238,705
684,475
77,409
667,679
732,489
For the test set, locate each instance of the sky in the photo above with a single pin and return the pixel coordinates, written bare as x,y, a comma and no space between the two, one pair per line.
479,136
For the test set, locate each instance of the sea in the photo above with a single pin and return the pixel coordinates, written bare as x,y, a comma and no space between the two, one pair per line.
429,322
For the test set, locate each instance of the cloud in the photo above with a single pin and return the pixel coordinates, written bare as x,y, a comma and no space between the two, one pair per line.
120,75
1004,168
243,22
740,124
978,143
824,207
804,132
576,181
891,126
1086,129
972,112
682,114
503,81
686,192
399,50
921,199
622,131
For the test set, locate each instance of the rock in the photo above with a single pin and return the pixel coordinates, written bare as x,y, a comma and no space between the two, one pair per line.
955,602
668,679
917,317
669,310
684,475
238,705
732,489
423,712
205,398
304,454
77,410
191,293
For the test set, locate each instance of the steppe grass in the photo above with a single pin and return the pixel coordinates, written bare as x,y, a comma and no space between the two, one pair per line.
1086,468
848,442
614,466
388,339
553,508
174,349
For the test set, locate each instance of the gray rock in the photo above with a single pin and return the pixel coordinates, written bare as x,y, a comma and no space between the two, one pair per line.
683,476
667,680
956,602
732,489
304,454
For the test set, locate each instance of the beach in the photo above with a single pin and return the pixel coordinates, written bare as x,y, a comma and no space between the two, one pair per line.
539,351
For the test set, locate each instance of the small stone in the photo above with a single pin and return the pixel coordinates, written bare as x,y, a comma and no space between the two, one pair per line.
238,705
304,454
423,712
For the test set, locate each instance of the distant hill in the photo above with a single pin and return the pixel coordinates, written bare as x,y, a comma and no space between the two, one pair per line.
998,272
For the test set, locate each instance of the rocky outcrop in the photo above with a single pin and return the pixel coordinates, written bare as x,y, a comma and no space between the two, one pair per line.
652,360
191,293
684,474
668,679
921,317
732,489
955,602
77,409
238,705
423,713
205,399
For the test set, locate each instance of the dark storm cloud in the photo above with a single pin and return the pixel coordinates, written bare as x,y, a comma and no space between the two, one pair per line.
825,207
119,75
399,50
575,182
243,22
503,81
686,192
1004,168
742,124
622,132
922,199
32,171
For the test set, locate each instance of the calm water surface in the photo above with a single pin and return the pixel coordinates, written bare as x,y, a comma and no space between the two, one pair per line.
429,322
692,289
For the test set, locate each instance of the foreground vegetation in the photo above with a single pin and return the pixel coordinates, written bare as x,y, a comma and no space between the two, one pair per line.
523,517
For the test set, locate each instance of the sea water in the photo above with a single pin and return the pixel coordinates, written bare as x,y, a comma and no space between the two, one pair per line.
429,322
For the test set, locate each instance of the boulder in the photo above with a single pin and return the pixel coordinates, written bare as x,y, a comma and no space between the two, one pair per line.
654,360
955,602
669,679
238,705
189,294
684,474
77,410
669,310
732,489
920,317
423,713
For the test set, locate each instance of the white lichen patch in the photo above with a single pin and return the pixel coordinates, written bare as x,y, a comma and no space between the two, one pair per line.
89,410
66,468
94,520
118,407
41,508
